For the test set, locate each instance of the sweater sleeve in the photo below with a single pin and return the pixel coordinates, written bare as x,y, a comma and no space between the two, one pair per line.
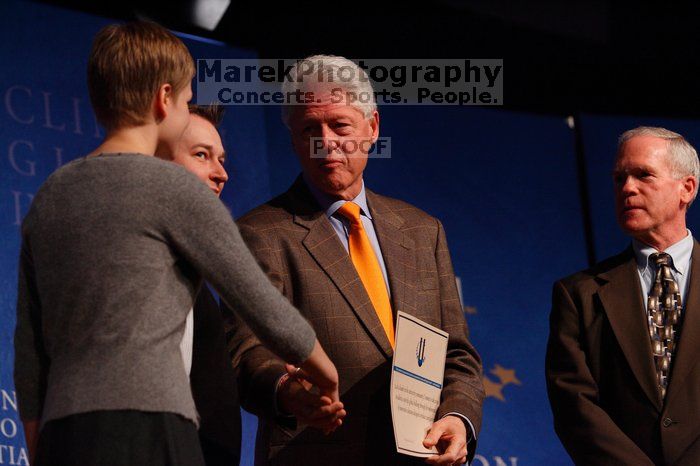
201,229
31,363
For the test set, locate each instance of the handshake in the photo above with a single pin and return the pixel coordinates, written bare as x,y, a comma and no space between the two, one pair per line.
319,407
310,404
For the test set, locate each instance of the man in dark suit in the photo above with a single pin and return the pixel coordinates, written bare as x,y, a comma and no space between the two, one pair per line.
304,240
213,382
621,366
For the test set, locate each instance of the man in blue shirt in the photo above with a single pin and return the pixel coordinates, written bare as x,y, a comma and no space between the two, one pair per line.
303,239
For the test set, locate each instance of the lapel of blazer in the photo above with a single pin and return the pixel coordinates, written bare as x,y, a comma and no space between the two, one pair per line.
323,245
689,344
622,300
398,254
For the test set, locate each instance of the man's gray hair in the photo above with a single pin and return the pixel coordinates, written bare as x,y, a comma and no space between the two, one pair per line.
683,158
334,72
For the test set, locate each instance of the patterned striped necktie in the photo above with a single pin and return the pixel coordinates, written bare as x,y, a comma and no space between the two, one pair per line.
664,310
365,261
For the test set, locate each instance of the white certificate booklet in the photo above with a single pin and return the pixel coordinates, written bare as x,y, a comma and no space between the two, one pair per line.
416,382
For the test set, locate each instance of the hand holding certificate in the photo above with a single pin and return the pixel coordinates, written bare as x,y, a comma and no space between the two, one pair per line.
416,382
449,434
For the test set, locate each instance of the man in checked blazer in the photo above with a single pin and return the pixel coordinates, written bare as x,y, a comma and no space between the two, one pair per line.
302,243
612,404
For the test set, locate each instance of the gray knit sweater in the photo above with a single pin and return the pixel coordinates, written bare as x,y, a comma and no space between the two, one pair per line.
113,251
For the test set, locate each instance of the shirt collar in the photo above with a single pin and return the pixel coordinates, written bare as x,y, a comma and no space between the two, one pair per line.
330,205
680,253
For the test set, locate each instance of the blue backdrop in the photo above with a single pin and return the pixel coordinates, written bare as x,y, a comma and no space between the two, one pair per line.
504,184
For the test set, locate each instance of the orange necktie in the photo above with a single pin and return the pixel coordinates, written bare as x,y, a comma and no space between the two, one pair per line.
367,266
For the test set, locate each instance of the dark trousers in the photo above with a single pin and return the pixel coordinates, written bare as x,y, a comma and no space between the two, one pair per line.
119,438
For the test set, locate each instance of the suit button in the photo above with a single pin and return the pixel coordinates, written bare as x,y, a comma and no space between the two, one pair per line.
668,421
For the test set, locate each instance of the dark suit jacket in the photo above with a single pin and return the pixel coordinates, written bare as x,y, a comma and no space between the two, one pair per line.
214,386
301,253
601,377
